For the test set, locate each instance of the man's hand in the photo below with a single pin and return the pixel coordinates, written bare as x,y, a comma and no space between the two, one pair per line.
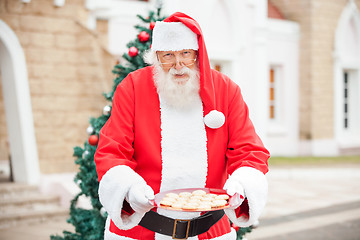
139,196
235,188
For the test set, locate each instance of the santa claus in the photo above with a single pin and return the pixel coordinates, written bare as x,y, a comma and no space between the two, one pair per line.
178,124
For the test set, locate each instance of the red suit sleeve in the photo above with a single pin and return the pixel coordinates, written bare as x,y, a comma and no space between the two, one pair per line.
245,149
115,146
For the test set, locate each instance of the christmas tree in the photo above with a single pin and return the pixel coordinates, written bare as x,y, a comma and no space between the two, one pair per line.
89,223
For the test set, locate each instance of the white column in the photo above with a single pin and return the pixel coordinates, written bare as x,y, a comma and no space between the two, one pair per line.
261,73
18,109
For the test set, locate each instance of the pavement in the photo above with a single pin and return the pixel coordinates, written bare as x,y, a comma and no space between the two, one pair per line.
311,203
307,202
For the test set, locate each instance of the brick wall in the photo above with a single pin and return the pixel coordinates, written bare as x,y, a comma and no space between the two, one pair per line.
68,69
318,20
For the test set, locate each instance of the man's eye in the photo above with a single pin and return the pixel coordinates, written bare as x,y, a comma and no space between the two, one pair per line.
186,54
169,55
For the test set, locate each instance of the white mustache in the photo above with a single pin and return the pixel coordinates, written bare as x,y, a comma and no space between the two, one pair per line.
184,70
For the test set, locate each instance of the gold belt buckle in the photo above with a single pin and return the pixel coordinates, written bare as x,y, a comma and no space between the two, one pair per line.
187,228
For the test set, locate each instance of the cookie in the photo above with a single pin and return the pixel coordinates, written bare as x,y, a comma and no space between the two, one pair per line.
211,195
172,195
190,206
207,199
222,197
206,203
166,203
219,203
178,205
194,200
169,199
196,197
198,193
204,207
185,194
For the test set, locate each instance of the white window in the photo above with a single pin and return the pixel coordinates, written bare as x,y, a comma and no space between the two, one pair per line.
351,104
346,100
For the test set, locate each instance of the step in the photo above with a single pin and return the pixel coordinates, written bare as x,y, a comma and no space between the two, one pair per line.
11,187
22,204
11,190
28,203
8,220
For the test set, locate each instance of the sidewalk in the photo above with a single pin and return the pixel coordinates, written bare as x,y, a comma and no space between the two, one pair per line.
312,203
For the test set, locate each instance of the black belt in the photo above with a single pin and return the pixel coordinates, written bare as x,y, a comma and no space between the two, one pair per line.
180,229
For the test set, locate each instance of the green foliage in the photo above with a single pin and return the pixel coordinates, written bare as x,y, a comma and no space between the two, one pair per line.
89,223
242,231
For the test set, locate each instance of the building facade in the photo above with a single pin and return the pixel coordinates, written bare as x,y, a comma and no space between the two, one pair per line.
53,72
297,63
328,74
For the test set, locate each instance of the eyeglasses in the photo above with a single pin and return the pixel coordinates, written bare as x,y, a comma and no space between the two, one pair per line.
184,58
186,63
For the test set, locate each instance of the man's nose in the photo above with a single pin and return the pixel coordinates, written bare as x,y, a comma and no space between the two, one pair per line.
178,63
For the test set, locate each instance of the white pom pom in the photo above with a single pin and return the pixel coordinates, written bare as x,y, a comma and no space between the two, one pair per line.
214,119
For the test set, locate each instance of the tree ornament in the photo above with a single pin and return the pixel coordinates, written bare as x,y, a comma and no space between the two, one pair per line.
106,110
90,130
86,155
158,4
152,25
133,51
143,36
93,140
103,212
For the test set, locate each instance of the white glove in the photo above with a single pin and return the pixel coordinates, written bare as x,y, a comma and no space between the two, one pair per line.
139,196
232,188
253,183
120,183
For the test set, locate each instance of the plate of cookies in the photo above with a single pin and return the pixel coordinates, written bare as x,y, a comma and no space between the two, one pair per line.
193,199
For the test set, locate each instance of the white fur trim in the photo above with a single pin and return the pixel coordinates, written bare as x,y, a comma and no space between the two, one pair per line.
184,152
113,189
112,236
214,119
229,236
173,36
256,189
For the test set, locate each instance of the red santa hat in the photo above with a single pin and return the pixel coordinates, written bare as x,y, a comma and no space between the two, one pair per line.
179,32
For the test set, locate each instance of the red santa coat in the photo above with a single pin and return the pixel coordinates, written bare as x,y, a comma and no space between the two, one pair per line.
134,136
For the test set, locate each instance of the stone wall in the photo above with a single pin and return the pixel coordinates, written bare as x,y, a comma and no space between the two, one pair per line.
318,20
68,70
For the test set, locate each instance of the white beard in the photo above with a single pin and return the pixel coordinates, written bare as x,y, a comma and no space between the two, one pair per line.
175,94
